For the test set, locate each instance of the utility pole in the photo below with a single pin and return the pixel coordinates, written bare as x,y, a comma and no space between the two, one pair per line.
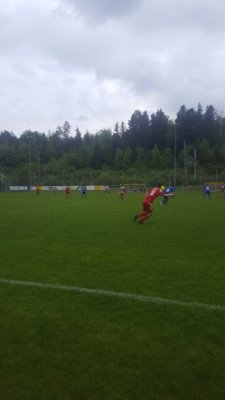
195,163
39,169
30,185
175,156
185,161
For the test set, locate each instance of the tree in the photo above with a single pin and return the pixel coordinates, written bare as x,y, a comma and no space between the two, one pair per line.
8,138
155,157
88,139
167,158
122,128
199,122
66,129
159,129
146,142
209,125
205,153
97,157
140,157
116,129
59,132
78,139
127,157
118,160
8,156
139,130
104,139
116,143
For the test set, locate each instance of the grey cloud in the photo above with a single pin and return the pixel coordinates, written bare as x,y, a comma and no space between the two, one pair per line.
176,15
149,54
103,9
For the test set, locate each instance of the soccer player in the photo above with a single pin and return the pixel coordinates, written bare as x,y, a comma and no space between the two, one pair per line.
37,189
223,190
83,191
206,191
150,196
67,191
122,192
168,190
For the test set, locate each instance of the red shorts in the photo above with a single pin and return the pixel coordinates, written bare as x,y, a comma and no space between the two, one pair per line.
147,207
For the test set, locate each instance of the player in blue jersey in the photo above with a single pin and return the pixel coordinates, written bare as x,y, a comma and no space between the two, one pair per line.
206,191
83,191
169,190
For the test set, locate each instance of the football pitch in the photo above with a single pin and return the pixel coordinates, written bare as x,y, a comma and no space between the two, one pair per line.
96,307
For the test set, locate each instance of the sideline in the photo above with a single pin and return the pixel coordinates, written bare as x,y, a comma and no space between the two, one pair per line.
110,293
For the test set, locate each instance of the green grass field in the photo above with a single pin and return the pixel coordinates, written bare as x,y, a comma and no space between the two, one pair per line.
62,344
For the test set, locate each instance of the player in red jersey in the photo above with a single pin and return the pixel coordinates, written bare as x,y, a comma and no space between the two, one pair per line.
68,191
150,196
223,189
37,190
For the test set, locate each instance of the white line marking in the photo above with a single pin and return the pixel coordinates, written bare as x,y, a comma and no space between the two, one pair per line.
110,293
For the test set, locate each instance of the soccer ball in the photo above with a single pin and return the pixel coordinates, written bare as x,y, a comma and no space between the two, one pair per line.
163,188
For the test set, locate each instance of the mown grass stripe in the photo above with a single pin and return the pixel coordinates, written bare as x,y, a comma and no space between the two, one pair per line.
111,293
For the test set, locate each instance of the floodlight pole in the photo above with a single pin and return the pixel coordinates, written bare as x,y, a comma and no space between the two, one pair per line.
39,170
29,166
195,163
175,156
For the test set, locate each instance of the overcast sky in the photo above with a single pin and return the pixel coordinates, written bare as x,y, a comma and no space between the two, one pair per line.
94,62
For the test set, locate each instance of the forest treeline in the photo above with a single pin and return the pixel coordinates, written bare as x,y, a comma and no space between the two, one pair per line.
146,144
